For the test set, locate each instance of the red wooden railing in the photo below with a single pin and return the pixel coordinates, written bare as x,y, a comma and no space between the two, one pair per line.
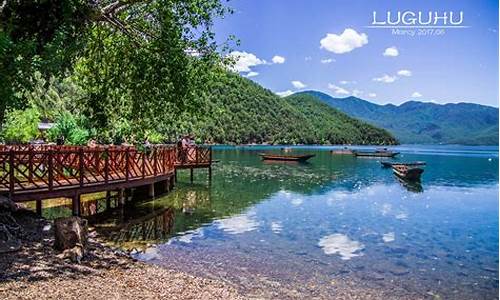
193,156
47,168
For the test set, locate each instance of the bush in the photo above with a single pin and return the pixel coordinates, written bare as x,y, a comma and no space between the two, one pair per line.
21,126
69,128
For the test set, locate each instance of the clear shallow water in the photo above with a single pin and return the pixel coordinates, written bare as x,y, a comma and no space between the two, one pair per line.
334,221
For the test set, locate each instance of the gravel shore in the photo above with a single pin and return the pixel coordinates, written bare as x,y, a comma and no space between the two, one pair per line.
35,272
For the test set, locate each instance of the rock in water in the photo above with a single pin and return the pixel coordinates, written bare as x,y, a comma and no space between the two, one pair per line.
71,237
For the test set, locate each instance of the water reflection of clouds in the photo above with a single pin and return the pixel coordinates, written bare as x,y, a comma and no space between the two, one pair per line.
276,226
187,237
150,253
296,201
342,245
388,237
238,224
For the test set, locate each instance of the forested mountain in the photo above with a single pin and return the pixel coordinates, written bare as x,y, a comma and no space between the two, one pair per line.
240,111
419,122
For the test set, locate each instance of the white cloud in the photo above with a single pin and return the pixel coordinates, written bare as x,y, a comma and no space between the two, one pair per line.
307,58
344,82
391,51
298,85
416,95
278,59
252,74
338,90
327,60
244,61
284,93
357,93
385,78
406,73
372,95
345,42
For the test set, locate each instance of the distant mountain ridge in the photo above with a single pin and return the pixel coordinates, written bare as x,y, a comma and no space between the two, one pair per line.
415,122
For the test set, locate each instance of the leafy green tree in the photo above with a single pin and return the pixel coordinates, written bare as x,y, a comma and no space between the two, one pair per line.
21,126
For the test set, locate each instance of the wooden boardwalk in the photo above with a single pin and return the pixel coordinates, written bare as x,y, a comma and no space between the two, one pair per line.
41,172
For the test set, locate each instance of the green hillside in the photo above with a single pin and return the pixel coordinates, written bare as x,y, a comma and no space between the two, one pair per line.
238,110
424,122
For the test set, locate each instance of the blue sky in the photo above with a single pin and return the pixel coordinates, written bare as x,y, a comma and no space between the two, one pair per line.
460,65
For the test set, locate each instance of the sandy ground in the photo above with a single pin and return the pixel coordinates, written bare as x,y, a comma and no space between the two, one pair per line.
35,272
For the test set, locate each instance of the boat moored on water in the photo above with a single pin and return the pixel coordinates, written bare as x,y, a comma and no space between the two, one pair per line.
412,173
388,164
276,157
344,151
377,153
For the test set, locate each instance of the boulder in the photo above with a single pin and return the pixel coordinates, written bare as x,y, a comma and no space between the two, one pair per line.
71,237
8,242
7,205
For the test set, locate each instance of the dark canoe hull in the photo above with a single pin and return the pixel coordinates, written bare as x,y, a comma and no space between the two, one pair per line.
342,152
376,154
407,173
388,164
299,158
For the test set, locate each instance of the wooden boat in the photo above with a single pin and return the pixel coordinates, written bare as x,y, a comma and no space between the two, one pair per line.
377,153
344,151
407,172
299,158
388,164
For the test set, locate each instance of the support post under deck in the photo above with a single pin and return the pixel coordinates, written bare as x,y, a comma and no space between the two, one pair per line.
151,192
39,207
76,204
121,197
108,199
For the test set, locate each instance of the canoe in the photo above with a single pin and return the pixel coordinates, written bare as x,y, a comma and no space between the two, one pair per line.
388,164
375,153
342,152
407,172
299,158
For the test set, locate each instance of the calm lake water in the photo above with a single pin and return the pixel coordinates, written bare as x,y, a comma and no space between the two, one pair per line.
335,222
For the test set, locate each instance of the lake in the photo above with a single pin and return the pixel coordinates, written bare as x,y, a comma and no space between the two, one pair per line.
334,225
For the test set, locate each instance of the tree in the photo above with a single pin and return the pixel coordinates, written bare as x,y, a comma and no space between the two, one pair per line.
164,39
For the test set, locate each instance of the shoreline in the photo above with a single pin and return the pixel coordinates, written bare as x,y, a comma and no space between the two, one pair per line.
36,272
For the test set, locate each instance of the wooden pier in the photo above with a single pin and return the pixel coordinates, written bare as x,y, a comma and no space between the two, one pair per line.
29,172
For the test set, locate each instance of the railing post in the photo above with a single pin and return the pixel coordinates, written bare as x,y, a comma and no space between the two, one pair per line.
197,154
126,163
97,160
106,165
30,164
155,160
80,166
51,169
11,173
143,168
